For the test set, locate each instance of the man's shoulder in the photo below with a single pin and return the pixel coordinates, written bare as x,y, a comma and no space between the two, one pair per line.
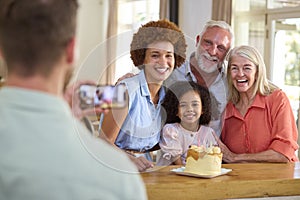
182,70
179,74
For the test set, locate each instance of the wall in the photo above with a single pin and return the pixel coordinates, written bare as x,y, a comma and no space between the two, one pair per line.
193,15
91,32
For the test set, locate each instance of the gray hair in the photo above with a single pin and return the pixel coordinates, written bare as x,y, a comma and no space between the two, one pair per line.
222,25
262,85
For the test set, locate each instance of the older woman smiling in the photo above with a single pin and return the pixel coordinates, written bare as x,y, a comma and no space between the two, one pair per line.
259,125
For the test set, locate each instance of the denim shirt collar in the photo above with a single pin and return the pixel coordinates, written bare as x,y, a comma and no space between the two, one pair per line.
145,90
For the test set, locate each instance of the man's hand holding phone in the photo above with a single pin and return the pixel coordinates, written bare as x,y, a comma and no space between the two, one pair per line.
103,96
71,95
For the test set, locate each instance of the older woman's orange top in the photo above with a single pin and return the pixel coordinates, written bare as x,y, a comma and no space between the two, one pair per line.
268,124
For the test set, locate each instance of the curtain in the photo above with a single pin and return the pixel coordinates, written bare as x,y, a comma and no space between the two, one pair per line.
221,10
164,9
3,70
111,43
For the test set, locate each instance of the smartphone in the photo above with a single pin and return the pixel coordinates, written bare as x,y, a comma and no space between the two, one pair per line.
104,96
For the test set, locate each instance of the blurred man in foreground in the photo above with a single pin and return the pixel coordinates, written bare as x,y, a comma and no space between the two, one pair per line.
45,152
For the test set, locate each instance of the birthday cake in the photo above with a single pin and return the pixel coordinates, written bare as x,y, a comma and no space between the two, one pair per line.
203,161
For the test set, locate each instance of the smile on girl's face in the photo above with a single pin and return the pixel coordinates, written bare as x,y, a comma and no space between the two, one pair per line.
190,109
243,73
159,61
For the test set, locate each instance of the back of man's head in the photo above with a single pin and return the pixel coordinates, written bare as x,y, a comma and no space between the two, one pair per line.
35,33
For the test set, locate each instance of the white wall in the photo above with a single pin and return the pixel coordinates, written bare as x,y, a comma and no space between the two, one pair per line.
193,15
91,32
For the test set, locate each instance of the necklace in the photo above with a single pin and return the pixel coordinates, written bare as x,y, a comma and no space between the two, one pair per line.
190,128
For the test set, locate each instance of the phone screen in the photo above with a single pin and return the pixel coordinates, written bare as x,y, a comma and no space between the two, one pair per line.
104,96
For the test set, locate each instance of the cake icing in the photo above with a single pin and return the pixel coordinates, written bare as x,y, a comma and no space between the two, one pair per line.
204,161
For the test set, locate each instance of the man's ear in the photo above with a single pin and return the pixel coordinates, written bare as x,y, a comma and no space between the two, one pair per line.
70,51
197,40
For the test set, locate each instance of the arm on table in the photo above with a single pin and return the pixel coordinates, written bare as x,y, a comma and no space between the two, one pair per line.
142,163
110,129
178,162
264,156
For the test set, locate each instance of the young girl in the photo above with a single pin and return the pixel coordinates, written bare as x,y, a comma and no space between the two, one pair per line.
188,109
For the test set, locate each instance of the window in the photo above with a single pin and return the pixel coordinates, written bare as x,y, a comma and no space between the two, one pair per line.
273,27
283,3
138,12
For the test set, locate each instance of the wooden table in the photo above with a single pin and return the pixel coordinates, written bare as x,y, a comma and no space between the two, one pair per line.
244,181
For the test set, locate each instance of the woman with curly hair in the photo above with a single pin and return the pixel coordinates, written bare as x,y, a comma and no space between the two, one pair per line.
156,49
188,109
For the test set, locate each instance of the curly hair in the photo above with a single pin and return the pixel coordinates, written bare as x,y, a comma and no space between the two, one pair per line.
176,91
153,31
